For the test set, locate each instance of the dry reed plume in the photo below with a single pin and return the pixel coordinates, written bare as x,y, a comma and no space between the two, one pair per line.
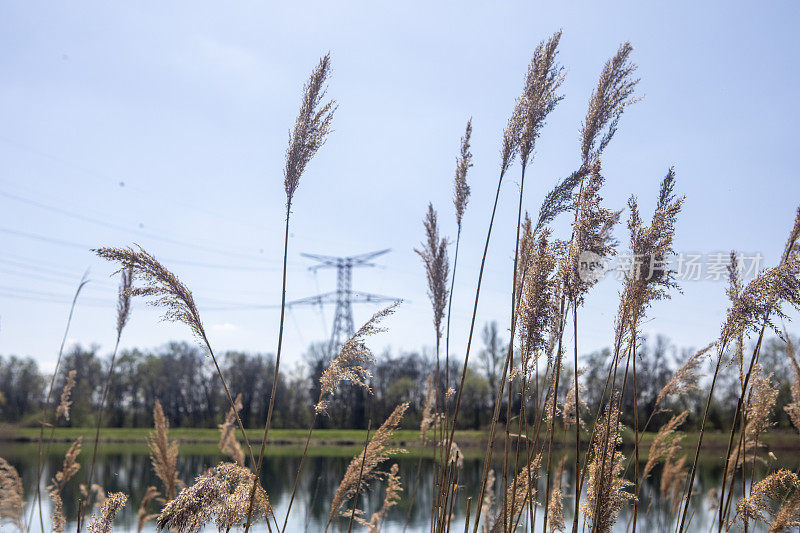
94,489
164,453
434,255
782,487
363,467
69,468
12,496
537,306
685,378
592,233
222,494
461,188
573,408
62,411
793,408
673,479
429,416
606,492
519,491
142,516
311,128
165,289
614,93
310,132
111,506
352,361
393,490
666,443
227,438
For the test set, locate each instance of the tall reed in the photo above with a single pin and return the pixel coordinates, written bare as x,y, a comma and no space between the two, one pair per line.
310,132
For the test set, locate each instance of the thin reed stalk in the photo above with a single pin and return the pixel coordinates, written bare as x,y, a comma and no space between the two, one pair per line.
310,133
123,314
81,285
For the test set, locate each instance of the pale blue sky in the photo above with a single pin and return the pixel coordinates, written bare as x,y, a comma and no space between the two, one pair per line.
189,105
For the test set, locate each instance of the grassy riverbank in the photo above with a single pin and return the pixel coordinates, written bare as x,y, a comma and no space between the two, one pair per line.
349,437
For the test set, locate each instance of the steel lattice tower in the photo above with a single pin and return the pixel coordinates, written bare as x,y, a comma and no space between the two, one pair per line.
344,296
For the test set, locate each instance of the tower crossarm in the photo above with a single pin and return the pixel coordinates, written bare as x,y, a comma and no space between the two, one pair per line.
319,299
365,297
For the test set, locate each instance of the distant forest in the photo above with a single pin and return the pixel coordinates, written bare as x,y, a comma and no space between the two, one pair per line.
182,378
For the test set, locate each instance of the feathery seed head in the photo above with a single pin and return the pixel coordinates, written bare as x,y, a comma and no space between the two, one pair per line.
311,128
111,506
227,439
793,408
521,489
650,278
762,299
161,284
461,194
591,234
164,453
539,284
65,402
666,443
12,500
685,378
364,465
606,492
781,486
351,362
142,515
614,92
124,299
393,490
540,96
221,493
434,255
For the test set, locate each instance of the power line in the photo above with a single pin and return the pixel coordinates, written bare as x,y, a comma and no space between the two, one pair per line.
108,179
88,247
105,224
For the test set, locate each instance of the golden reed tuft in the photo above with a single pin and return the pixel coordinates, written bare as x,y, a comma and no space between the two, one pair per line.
363,466
12,495
164,453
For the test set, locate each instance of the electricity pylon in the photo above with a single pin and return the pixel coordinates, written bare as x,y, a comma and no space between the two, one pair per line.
344,296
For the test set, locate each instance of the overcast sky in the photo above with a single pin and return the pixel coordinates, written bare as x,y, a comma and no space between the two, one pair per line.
166,125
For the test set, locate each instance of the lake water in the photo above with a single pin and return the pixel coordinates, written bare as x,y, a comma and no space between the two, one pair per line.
127,469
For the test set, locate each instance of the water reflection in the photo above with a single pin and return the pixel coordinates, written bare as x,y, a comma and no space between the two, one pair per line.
128,469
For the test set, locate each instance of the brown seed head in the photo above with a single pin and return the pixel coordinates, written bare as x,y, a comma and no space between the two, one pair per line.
540,96
366,462
164,453
113,503
461,194
221,493
12,497
311,128
62,411
124,299
159,283
351,362
434,256
614,92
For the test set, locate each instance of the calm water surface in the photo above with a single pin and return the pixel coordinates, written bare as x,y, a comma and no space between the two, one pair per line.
127,469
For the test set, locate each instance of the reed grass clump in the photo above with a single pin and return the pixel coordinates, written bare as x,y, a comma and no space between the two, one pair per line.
363,467
12,495
221,494
164,453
